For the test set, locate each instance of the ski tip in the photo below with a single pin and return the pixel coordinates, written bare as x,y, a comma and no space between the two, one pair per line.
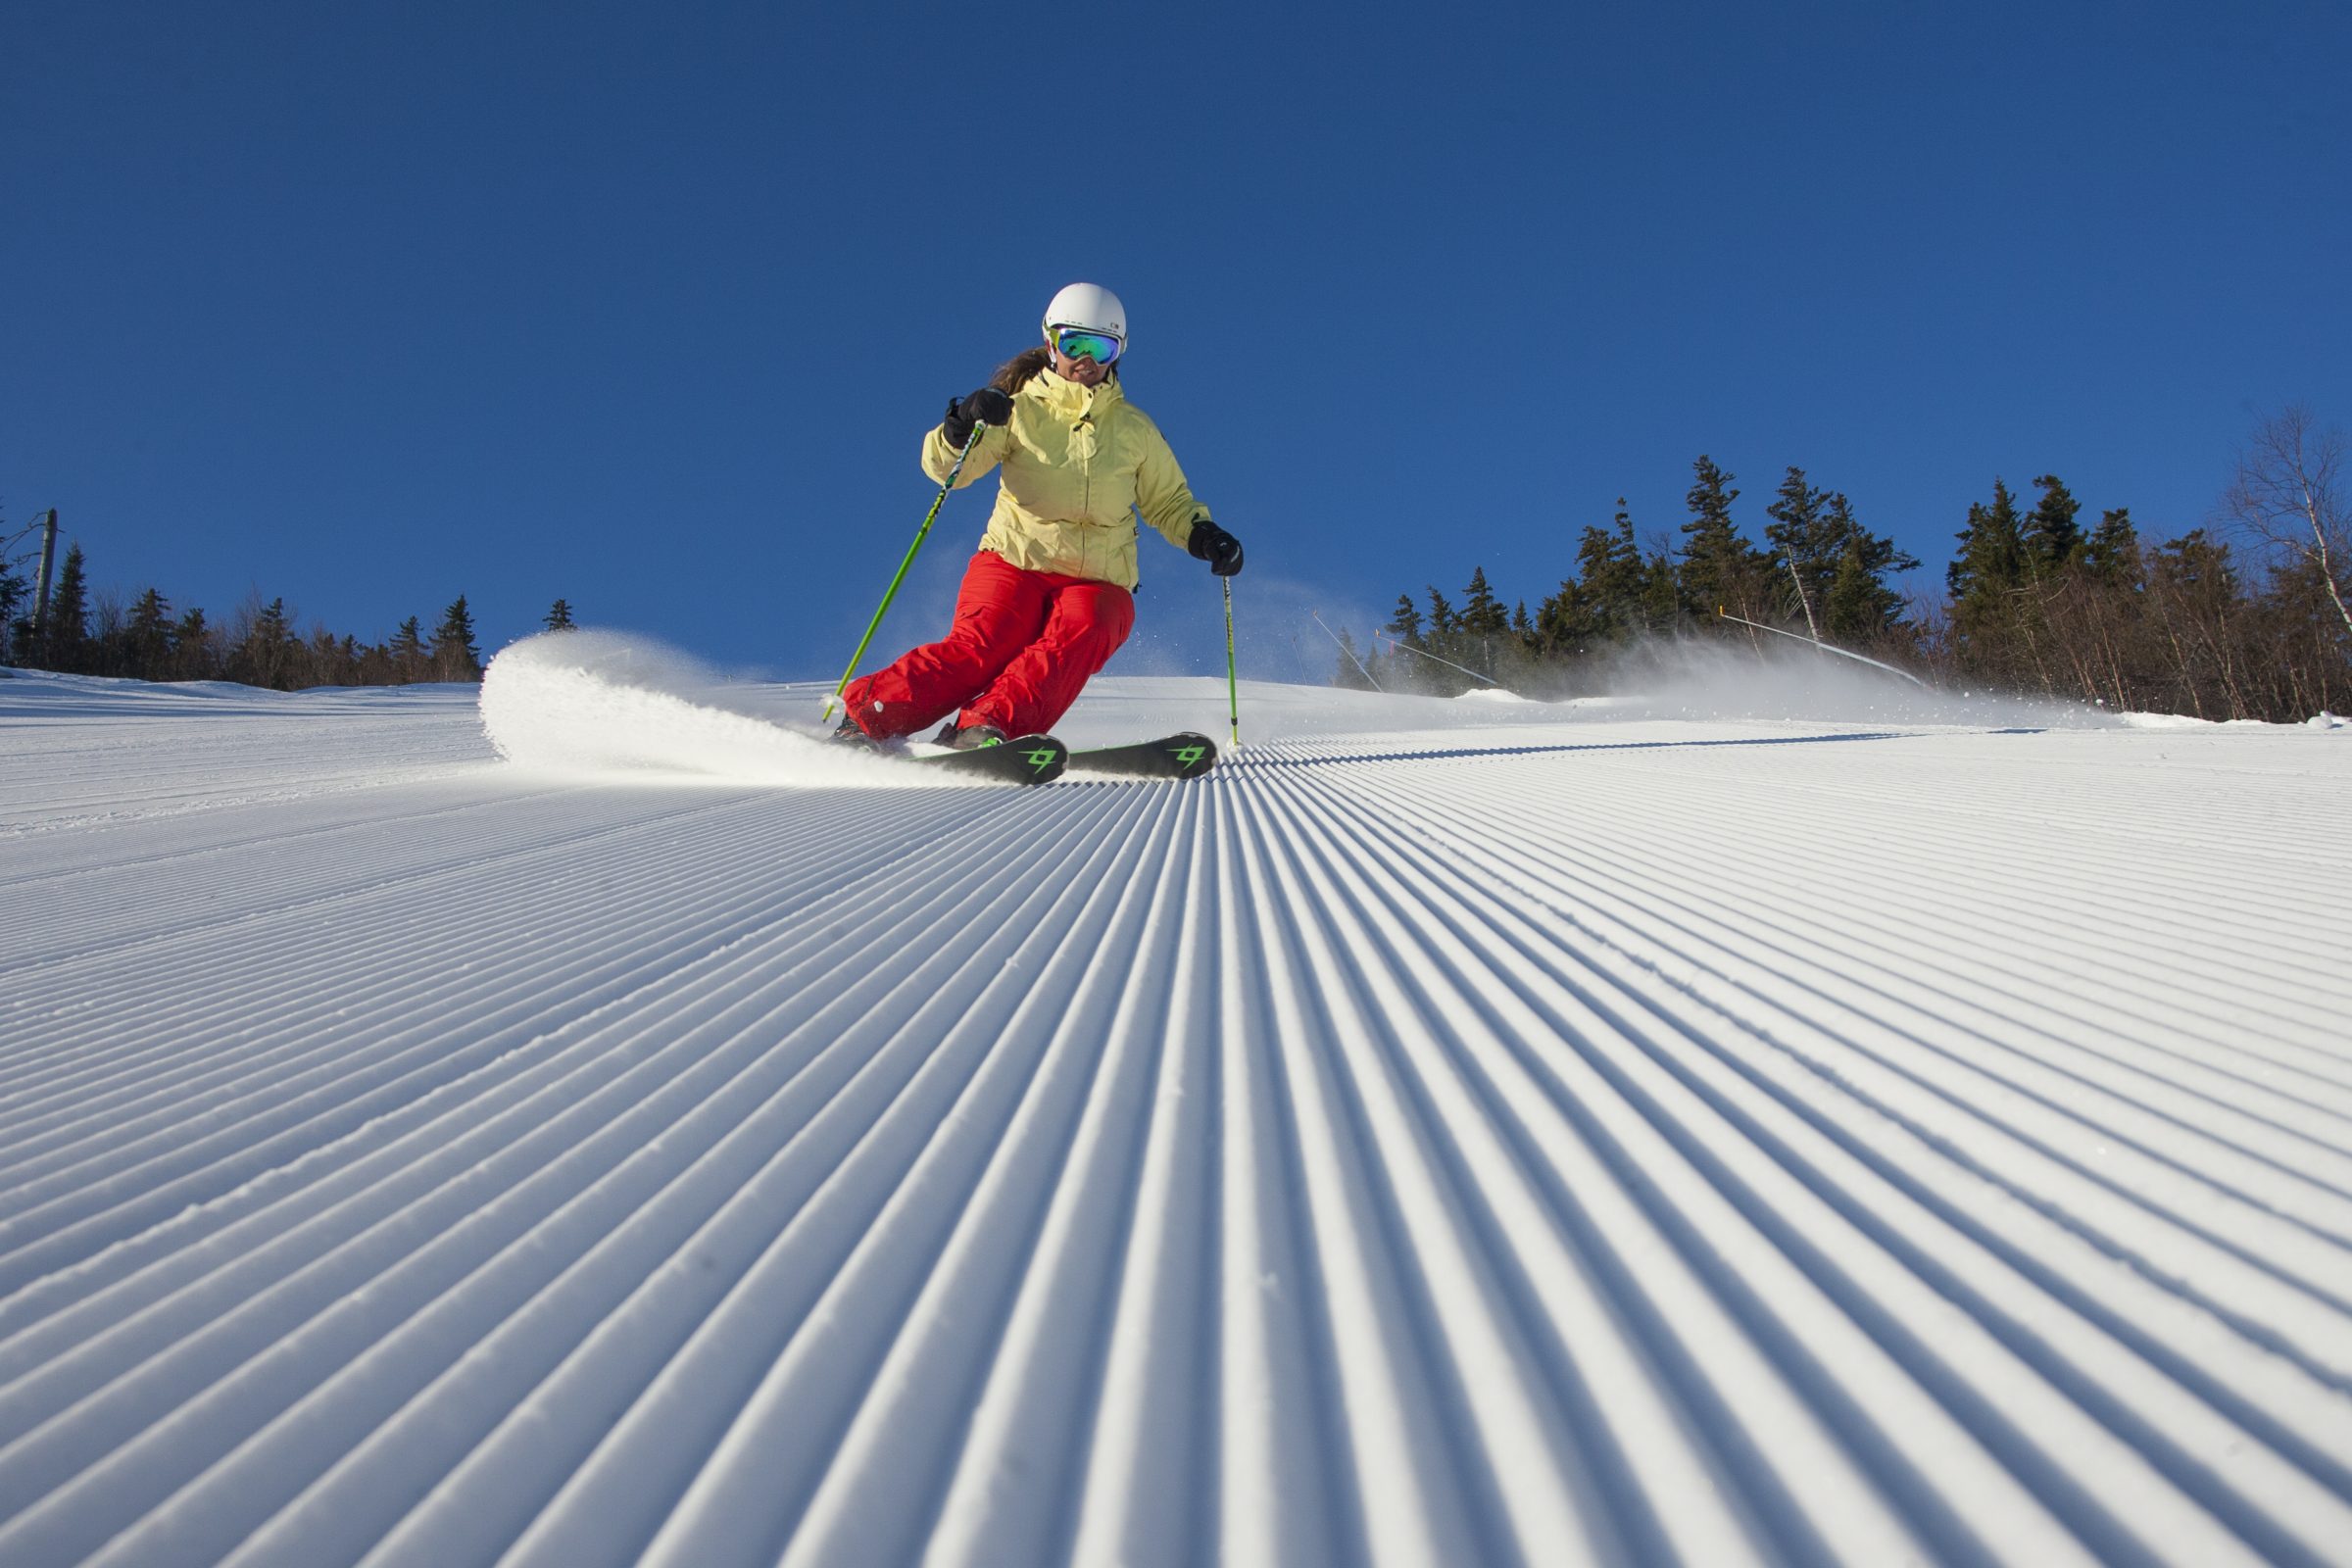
1043,756
1193,755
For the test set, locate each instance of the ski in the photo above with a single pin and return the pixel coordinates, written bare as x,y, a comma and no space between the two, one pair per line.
1185,755
1022,759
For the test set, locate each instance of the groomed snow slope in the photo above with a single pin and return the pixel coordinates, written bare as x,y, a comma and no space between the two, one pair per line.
1449,1134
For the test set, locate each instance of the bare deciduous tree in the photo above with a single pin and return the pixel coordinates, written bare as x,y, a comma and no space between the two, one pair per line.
2288,494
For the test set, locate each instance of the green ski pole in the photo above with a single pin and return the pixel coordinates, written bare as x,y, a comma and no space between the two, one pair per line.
939,500
1233,694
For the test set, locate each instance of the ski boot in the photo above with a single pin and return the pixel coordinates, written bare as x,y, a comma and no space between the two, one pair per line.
850,736
970,737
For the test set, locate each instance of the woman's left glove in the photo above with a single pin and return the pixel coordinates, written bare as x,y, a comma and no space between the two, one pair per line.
1212,543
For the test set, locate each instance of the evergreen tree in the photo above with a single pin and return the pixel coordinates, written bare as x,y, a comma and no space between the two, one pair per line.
269,653
1394,669
1615,579
2052,538
1516,648
192,653
1483,614
409,663
1444,622
1992,559
321,658
1349,675
1860,604
2096,617
1661,592
1719,568
455,657
560,618
1484,624
1832,569
2200,565
1406,624
1802,557
2114,548
1983,579
1566,622
65,639
146,651
375,664
15,594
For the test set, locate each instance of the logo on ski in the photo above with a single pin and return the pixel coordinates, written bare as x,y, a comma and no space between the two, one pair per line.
1043,757
1187,755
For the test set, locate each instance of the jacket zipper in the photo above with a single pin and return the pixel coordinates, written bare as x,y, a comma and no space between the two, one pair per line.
1086,494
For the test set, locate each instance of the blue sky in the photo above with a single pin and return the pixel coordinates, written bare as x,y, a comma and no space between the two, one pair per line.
367,305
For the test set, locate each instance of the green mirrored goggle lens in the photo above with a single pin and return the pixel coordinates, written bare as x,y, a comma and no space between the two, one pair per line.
1077,345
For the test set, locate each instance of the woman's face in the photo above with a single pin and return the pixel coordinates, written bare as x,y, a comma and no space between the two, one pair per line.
1086,372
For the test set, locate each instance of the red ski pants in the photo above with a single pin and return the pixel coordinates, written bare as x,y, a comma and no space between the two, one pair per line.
1023,647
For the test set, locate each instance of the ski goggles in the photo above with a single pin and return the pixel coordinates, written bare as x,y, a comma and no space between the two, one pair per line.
1076,343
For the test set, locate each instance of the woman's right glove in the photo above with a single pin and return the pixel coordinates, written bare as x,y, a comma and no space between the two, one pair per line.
988,405
1212,543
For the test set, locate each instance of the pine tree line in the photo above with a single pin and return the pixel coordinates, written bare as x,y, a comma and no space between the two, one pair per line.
2035,602
260,645
1826,576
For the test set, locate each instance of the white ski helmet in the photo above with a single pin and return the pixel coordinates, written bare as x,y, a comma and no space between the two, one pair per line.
1089,306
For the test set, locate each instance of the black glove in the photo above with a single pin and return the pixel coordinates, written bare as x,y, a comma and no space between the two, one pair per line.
1212,543
988,405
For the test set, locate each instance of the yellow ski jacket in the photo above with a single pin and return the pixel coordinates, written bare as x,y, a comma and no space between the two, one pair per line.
1078,462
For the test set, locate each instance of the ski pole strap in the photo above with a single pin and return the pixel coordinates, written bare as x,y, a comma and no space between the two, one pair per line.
1233,695
892,592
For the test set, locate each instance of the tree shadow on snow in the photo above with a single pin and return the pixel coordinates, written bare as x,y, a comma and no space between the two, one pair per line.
1457,753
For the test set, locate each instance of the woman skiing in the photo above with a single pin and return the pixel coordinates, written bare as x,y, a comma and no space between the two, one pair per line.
1047,599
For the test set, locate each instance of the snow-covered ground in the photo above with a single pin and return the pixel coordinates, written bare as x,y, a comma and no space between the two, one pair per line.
1703,1128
